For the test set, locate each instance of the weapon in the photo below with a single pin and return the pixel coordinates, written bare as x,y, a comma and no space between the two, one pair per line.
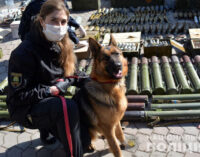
185,88
145,90
157,77
170,83
133,82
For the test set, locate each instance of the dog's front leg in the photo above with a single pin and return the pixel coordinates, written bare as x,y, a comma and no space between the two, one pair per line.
112,141
119,134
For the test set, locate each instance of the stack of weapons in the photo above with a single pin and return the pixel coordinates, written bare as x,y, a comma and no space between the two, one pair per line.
177,79
144,19
148,20
164,107
3,107
193,15
163,76
183,79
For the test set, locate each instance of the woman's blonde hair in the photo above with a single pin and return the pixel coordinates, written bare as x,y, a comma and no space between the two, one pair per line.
67,57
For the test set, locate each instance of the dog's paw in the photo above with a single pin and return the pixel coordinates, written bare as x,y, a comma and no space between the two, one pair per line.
122,146
89,149
128,144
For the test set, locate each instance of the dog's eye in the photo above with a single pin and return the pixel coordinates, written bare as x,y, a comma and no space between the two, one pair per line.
106,57
116,53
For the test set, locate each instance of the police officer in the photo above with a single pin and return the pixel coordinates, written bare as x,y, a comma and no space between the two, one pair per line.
39,70
30,14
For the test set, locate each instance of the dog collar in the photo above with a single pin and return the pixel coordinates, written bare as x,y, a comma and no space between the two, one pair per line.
104,82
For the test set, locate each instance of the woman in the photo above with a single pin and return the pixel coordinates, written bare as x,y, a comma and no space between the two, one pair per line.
31,12
36,67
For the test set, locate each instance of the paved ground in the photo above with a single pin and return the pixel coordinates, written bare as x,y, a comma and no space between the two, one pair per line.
172,141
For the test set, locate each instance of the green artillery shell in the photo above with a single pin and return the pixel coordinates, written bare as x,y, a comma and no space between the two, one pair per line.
133,89
136,106
178,113
3,97
185,88
131,115
157,77
137,98
145,77
192,73
4,114
171,86
3,105
176,106
3,84
176,97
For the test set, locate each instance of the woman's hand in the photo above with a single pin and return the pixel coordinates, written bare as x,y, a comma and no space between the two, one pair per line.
54,90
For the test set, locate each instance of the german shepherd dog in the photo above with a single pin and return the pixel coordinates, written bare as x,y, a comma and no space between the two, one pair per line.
105,93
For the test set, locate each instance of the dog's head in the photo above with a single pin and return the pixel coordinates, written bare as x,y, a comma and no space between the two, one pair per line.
109,63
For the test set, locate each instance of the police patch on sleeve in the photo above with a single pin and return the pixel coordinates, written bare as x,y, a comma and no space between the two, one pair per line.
16,79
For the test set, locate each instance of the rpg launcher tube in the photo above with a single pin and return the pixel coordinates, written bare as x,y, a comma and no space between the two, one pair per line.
3,105
3,97
176,113
192,73
185,88
132,115
137,98
157,77
165,98
146,89
176,106
133,85
170,83
136,106
4,114
3,84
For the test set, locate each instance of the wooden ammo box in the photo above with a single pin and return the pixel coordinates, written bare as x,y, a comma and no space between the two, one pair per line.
135,3
79,5
128,42
161,48
195,40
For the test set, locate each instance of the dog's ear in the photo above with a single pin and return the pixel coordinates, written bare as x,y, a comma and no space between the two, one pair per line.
94,46
112,41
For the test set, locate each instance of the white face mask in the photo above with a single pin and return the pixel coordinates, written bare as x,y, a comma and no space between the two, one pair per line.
55,33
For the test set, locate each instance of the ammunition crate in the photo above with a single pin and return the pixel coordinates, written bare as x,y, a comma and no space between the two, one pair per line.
161,50
135,3
127,39
195,40
79,5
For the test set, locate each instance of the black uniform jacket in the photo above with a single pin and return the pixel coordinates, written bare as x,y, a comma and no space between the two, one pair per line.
33,68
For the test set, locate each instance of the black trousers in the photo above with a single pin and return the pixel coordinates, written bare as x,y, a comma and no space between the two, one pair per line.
48,114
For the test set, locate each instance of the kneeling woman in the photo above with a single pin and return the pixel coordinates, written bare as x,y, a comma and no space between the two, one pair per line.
35,67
